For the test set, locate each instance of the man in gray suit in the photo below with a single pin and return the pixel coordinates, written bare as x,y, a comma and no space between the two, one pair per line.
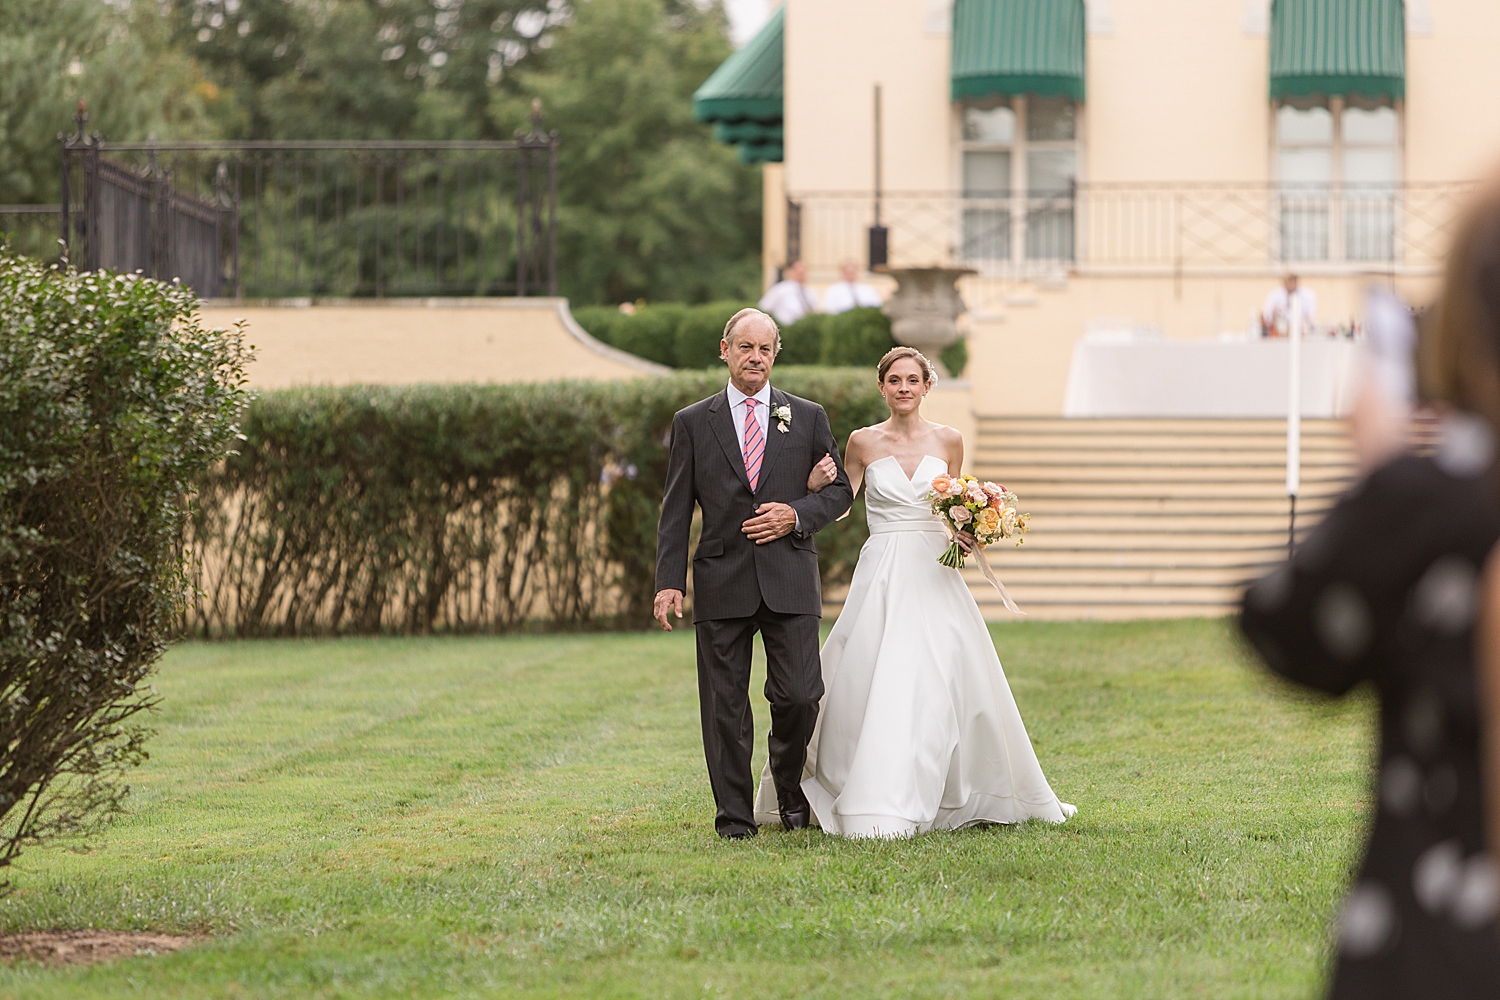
744,456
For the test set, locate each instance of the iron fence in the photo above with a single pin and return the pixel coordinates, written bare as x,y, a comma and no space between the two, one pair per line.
1156,228
31,230
330,219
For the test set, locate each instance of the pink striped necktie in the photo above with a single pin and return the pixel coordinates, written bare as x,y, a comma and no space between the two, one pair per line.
755,444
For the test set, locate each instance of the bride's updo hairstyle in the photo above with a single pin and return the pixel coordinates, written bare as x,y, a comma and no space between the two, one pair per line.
929,373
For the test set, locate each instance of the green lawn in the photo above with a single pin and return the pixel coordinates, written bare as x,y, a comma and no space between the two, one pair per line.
457,817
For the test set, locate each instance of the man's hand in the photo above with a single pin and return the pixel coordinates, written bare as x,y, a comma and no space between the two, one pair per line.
772,521
667,600
822,474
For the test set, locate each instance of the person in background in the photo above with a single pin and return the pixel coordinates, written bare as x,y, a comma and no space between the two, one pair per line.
1276,313
1403,609
849,294
790,299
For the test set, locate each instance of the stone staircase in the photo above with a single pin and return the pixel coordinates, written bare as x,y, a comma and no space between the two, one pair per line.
1149,518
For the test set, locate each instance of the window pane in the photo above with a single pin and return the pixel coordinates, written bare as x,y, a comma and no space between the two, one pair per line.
1049,230
986,234
1369,227
1369,166
1315,125
987,174
1051,119
1306,166
1304,229
1050,171
991,125
1375,126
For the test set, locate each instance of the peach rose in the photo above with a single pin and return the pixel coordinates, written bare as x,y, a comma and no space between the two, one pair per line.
989,519
940,484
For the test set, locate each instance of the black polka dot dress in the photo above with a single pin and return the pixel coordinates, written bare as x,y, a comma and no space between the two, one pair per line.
1386,590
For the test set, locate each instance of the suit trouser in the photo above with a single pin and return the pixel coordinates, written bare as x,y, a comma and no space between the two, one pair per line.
794,686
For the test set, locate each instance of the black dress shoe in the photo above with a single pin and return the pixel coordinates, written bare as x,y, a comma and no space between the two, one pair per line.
795,810
738,832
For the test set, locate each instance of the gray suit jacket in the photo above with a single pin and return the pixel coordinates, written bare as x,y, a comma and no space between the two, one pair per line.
731,574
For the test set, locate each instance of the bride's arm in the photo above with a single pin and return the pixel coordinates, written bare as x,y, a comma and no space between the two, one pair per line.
953,445
854,467
953,442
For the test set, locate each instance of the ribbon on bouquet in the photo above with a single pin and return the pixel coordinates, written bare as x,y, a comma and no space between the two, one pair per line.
989,574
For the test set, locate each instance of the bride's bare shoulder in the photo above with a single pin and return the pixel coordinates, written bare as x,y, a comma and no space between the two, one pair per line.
863,439
947,436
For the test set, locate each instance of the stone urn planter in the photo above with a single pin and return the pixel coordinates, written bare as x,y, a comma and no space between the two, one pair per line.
924,308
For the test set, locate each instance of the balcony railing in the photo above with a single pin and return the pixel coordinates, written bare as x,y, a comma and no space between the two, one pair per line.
1140,229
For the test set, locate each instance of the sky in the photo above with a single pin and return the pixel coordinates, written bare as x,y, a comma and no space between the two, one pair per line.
746,17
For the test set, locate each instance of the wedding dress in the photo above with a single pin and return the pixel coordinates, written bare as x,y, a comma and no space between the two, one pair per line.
918,730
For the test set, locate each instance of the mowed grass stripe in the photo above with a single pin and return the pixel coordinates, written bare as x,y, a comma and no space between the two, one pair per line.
501,816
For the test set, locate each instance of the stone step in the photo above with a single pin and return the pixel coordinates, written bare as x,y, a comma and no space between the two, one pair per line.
1025,577
1147,523
1223,595
1045,504
1135,491
1029,557
1012,475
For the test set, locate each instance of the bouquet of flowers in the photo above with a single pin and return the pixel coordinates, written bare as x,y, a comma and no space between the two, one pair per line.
984,511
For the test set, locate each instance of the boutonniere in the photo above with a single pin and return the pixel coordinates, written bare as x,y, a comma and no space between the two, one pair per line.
783,415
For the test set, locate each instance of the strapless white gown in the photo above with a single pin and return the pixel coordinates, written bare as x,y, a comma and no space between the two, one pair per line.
918,730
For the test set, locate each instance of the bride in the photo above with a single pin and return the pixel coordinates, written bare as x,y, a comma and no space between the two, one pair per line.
918,730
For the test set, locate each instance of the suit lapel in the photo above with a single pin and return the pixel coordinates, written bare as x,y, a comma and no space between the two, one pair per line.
774,437
720,419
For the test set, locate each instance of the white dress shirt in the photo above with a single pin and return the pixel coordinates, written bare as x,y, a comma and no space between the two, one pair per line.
788,301
1277,310
848,295
738,410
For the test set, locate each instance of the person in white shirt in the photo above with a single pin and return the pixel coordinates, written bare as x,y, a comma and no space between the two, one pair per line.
1276,313
790,299
849,294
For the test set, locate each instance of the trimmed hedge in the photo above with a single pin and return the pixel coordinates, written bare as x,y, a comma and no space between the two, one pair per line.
468,508
682,336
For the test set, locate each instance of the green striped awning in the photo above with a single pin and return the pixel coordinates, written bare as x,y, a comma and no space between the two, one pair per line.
1327,48
747,85
1006,47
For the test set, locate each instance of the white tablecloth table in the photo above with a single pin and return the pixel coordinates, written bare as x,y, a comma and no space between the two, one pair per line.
1207,378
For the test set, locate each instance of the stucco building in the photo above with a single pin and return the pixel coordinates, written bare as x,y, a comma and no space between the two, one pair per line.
1147,164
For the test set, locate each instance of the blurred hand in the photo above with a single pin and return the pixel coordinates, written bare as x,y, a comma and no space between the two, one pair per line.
667,600
966,542
825,472
772,521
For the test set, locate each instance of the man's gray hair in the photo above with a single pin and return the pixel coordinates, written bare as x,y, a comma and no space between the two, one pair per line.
745,314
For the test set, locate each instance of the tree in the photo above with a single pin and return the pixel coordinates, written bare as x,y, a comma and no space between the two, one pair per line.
649,205
117,57
363,69
114,402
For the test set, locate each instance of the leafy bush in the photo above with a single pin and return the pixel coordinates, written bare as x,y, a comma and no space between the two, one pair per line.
955,357
802,341
859,337
477,508
688,336
113,403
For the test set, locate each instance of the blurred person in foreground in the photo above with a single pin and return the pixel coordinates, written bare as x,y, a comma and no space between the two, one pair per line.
1387,590
790,299
849,293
